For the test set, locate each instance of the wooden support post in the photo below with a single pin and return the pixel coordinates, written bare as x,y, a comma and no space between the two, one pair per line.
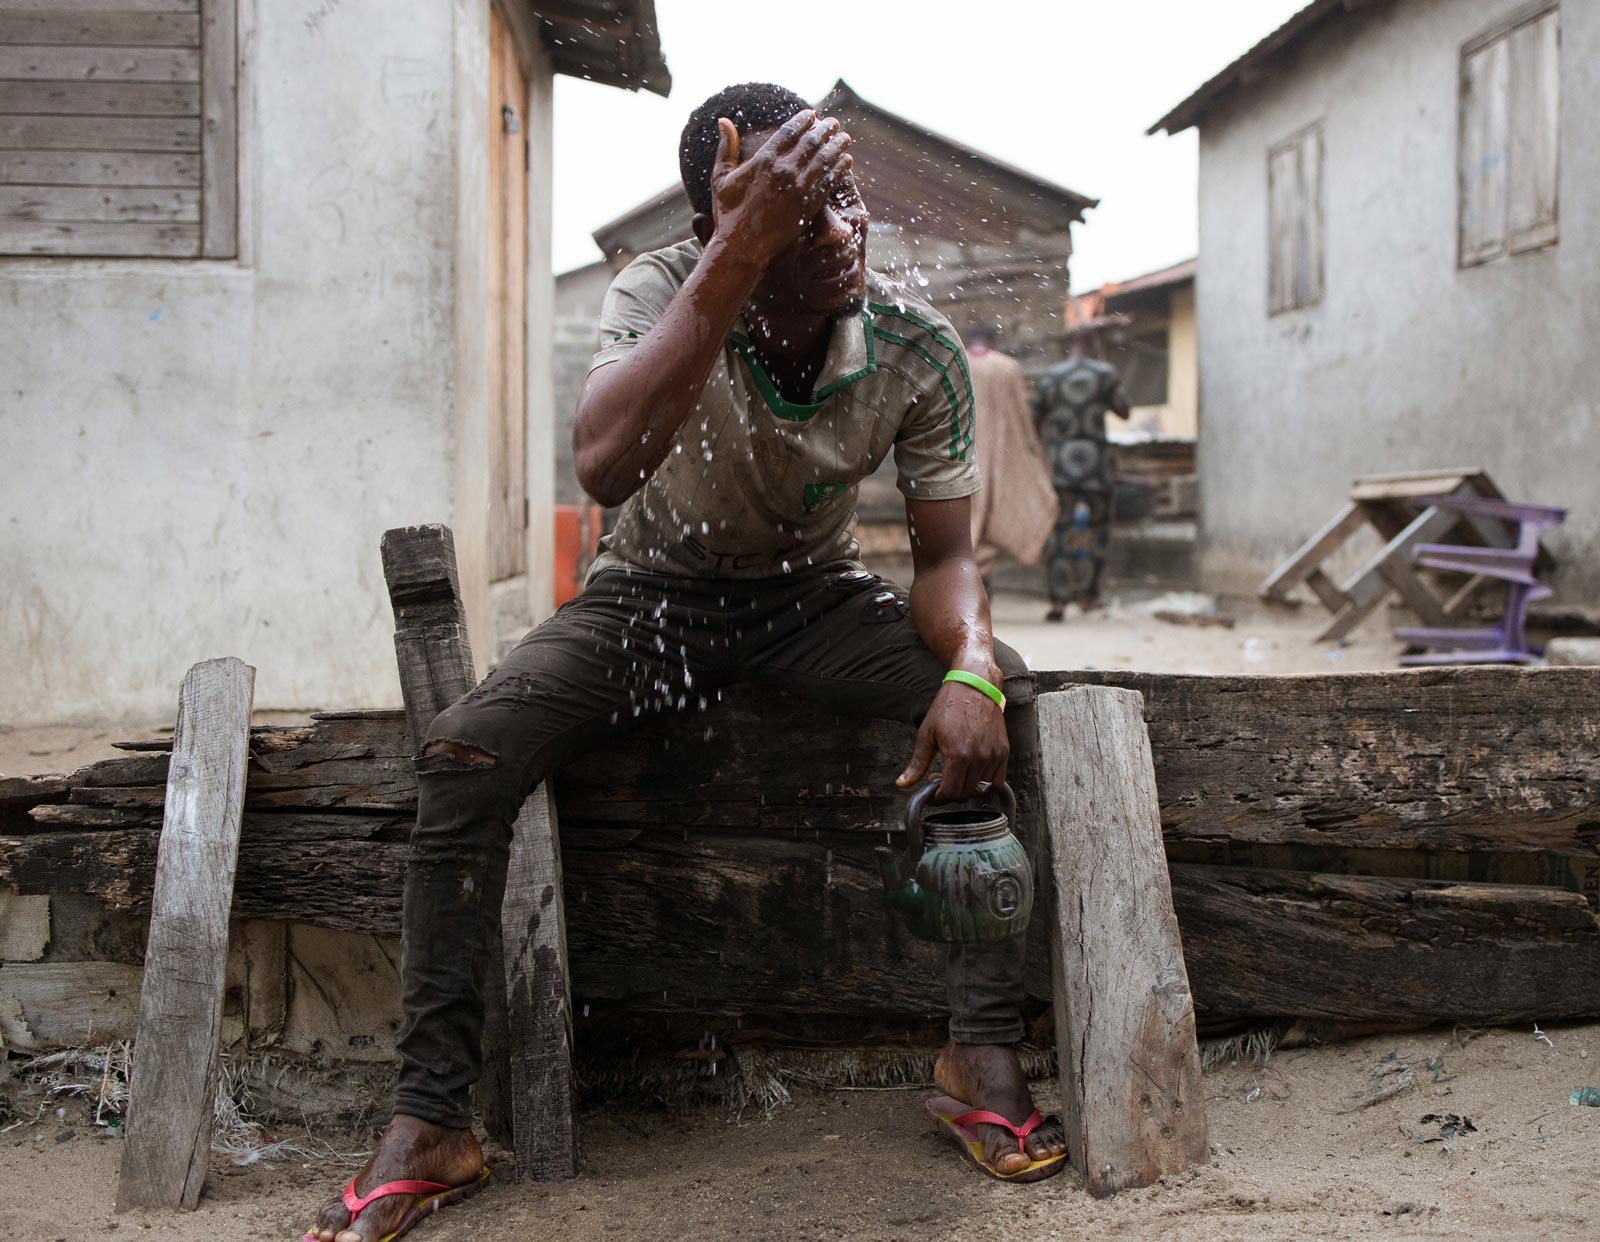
526,1093
174,1085
1131,1091
539,998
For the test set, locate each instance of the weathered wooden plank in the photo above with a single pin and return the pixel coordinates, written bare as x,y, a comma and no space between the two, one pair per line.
1483,124
173,1087
1313,552
120,240
219,238
430,634
1481,761
741,925
24,926
99,133
539,997
99,99
115,29
109,64
92,6
257,998
1131,1092
121,204
49,1005
98,168
1496,760
1266,944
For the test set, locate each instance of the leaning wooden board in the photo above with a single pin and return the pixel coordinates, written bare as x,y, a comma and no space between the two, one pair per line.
745,862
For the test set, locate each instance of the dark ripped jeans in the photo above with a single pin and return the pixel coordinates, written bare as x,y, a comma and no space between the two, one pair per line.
635,644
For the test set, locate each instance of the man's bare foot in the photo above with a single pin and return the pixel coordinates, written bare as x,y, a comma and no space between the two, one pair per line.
1056,612
989,1076
409,1149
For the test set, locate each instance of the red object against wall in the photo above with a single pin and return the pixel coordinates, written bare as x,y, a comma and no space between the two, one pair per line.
575,548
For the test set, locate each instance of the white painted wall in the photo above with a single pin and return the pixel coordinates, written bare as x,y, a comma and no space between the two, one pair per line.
202,456
1408,362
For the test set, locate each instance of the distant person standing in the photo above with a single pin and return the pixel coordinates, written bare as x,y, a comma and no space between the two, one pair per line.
1015,510
1070,402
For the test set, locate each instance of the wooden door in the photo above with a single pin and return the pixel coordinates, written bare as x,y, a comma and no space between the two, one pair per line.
506,326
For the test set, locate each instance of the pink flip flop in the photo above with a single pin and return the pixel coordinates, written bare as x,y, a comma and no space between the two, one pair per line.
432,1197
958,1123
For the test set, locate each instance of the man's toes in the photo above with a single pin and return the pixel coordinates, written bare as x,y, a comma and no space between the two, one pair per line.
333,1217
1045,1146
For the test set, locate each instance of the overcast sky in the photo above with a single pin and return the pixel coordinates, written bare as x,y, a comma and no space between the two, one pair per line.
1062,88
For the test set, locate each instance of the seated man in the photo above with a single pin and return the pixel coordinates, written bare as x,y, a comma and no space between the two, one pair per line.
747,381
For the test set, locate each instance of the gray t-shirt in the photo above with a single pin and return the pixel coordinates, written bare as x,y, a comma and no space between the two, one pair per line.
755,486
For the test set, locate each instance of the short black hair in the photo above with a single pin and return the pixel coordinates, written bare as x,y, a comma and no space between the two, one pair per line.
752,107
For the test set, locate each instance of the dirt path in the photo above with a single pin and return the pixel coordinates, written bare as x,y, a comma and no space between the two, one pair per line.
1287,1162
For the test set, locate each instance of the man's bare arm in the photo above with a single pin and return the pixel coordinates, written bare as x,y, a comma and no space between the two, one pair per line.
629,410
951,612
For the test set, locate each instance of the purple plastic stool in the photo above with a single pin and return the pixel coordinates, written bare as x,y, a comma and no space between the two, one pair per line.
1505,642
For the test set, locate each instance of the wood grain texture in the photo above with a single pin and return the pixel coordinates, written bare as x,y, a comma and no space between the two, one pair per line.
174,1080
99,133
106,64
50,1005
98,168
539,997
219,139
116,29
1267,944
99,99
118,240
430,625
1483,759
1132,1096
121,204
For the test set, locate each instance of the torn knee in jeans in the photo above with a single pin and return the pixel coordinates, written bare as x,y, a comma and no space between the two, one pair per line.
444,755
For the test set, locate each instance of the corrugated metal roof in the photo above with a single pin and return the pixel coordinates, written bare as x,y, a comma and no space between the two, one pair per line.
1254,63
615,42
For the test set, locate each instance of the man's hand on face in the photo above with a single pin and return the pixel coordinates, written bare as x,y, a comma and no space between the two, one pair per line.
765,203
968,732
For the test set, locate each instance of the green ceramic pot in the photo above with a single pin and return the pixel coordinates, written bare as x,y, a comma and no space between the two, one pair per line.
965,877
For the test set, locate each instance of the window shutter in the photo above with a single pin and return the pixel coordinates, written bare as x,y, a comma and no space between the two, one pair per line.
1535,126
1485,102
1510,129
1294,222
117,122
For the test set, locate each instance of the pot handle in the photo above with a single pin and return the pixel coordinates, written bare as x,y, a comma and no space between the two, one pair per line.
919,805
914,812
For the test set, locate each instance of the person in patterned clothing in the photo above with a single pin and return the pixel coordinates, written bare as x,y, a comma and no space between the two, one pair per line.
1070,403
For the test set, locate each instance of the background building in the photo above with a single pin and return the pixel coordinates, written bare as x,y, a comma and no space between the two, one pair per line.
273,283
1399,268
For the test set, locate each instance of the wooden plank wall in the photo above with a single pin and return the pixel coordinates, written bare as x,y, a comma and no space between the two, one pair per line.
118,128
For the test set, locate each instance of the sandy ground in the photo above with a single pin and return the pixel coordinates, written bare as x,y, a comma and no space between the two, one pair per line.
1293,1153
1287,1162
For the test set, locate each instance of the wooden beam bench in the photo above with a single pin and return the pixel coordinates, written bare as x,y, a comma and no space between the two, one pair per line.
1321,831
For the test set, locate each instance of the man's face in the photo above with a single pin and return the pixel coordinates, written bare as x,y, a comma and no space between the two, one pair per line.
824,271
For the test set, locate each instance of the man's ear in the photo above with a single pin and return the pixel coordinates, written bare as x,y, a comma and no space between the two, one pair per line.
703,227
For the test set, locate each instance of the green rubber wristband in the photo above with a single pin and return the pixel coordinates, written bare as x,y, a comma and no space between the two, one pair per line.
977,683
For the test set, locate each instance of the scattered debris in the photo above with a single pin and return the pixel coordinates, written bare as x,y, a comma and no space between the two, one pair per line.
1393,1075
99,1077
1540,1035
1178,616
1450,1124
1587,1097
